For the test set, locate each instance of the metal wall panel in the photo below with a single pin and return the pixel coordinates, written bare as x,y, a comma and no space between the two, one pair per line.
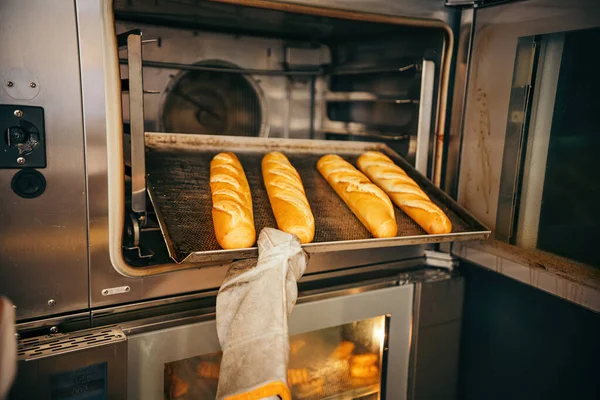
43,242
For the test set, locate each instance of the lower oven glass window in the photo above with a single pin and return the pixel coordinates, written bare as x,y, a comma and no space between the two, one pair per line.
341,362
550,186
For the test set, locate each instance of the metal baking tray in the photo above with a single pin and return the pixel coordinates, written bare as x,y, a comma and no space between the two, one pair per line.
178,185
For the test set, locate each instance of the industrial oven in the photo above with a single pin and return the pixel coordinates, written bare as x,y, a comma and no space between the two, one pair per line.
111,111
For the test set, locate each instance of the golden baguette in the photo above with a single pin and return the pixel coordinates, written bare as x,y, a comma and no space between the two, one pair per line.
287,197
232,203
368,202
404,192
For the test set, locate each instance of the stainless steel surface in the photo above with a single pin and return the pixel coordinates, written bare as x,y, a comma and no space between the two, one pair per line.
437,317
538,140
178,168
154,311
149,351
20,83
203,68
64,323
427,9
54,345
497,30
366,96
43,243
92,361
115,290
414,342
104,154
359,129
103,129
136,121
440,259
460,81
519,113
425,115
206,51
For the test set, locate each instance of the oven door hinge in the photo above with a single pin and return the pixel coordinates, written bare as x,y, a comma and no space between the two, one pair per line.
439,259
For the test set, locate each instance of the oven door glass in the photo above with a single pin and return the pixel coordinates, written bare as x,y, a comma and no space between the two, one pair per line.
339,362
342,347
549,188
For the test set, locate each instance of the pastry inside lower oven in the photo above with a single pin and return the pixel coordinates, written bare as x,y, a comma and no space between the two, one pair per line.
297,376
208,370
343,351
311,388
179,387
364,369
296,346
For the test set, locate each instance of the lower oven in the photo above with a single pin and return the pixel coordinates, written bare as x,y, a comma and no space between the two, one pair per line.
353,344
378,332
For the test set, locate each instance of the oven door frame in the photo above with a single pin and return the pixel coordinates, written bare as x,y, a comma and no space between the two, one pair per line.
486,64
149,350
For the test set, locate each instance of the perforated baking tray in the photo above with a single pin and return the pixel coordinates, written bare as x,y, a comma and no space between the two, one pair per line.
178,184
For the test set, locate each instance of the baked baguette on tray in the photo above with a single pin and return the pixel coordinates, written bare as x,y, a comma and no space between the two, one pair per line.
367,201
232,203
404,192
287,197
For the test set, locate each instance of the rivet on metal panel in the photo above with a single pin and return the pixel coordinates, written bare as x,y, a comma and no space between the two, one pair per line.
18,113
115,290
53,329
21,160
51,302
10,83
32,85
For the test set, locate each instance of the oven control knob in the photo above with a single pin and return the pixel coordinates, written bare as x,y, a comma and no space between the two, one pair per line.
16,136
28,183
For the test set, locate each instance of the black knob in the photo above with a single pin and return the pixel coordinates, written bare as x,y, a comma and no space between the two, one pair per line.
16,136
28,183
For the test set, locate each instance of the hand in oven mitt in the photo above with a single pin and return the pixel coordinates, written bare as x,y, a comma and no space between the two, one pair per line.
253,305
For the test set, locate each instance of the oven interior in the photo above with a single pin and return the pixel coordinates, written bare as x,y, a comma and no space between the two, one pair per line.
214,68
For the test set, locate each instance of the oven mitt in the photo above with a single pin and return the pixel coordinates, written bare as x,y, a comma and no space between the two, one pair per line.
253,305
8,346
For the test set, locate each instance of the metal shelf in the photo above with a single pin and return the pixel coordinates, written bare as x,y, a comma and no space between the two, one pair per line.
245,71
365,97
322,71
358,129
413,67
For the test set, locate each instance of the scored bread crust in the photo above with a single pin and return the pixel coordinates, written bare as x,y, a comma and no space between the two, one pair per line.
368,202
404,192
287,197
233,220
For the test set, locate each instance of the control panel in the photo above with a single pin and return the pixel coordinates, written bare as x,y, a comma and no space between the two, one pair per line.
23,143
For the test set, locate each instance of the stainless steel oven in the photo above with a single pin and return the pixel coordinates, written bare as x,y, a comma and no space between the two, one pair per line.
108,123
171,362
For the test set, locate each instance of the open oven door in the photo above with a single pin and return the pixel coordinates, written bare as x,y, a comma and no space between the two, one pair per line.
522,158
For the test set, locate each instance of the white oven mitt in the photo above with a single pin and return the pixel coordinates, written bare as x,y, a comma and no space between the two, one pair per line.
8,346
253,305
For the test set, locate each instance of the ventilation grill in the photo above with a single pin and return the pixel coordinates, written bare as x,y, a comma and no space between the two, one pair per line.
50,345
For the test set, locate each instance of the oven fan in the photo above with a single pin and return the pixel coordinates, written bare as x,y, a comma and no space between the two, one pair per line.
214,103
